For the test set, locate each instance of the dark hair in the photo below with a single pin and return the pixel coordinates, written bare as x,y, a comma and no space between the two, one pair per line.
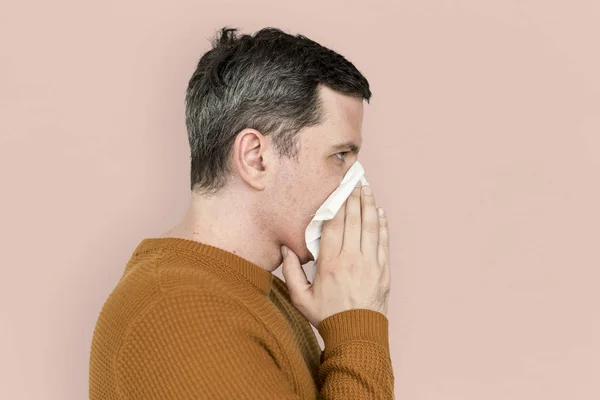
266,82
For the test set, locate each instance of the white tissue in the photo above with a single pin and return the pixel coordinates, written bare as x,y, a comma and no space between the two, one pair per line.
331,206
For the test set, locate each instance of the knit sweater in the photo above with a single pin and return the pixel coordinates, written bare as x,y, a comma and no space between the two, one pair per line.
192,321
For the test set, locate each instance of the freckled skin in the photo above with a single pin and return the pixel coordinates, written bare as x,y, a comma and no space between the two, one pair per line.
309,181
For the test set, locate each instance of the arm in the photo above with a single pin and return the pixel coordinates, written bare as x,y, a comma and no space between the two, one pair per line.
356,362
205,345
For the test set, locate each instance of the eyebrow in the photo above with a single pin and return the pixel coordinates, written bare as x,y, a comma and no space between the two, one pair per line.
353,147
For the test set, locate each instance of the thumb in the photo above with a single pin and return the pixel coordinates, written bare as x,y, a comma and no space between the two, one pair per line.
294,275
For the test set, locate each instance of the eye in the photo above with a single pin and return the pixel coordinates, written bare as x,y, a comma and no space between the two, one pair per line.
341,155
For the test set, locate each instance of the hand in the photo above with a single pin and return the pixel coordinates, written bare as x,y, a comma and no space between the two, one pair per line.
353,268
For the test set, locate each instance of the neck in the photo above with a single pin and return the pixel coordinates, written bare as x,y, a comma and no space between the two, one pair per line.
225,222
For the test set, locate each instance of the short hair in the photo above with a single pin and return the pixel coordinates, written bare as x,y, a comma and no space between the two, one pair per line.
267,81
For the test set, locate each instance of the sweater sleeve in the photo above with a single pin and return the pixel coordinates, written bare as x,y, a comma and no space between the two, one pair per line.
205,345
356,362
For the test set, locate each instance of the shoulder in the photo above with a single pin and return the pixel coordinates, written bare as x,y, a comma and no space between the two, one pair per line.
191,340
156,291
190,300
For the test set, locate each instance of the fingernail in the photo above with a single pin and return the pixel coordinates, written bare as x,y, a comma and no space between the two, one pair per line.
367,190
381,212
284,251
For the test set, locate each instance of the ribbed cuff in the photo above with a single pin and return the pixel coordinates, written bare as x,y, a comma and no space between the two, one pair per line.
357,324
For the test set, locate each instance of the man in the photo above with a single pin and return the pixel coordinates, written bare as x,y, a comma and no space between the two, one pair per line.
274,122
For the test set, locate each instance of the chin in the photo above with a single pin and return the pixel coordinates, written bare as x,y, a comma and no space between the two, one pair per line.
305,260
302,252
306,256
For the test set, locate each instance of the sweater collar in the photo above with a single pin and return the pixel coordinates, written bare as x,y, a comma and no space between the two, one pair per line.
260,278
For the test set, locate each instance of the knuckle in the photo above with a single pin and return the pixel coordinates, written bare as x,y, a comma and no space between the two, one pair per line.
295,300
333,225
353,220
371,227
383,241
385,288
348,258
369,200
383,222
355,194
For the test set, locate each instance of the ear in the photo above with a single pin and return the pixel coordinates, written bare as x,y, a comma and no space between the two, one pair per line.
249,157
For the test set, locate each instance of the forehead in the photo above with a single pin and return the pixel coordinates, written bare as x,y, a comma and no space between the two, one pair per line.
342,117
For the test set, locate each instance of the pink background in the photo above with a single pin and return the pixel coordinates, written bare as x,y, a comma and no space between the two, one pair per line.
482,142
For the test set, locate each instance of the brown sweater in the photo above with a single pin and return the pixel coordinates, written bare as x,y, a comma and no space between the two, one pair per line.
191,321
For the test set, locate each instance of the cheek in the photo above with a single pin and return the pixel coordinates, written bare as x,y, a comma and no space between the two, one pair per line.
297,201
301,194
325,186
315,194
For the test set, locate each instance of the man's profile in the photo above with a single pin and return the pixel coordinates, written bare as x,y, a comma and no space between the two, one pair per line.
274,123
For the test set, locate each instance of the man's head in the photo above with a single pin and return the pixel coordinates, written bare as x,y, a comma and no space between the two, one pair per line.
274,120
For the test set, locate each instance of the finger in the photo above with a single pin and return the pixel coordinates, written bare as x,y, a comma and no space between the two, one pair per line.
370,224
295,277
383,249
332,234
352,222
387,270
